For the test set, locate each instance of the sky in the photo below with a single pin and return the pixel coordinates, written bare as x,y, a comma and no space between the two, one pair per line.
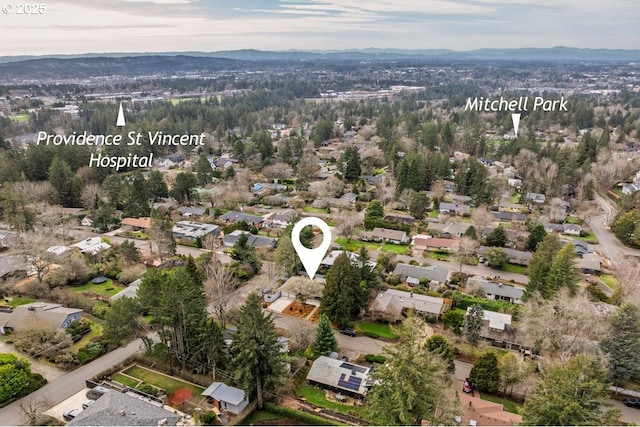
99,26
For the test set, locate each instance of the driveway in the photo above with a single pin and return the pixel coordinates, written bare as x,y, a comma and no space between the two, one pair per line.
608,242
69,384
49,372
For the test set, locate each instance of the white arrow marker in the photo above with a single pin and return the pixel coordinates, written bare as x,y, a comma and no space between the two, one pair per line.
120,121
311,258
516,122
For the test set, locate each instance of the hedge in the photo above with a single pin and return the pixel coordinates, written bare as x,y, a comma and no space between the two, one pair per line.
463,301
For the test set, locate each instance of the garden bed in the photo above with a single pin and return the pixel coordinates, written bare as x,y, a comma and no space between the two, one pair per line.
296,309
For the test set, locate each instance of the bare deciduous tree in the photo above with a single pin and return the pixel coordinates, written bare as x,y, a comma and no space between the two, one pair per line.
303,288
561,327
219,284
33,247
481,218
91,194
32,409
466,248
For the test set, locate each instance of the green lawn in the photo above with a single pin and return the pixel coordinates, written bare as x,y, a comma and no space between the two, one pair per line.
96,331
434,214
317,397
125,380
610,281
440,256
16,301
139,235
590,238
399,249
508,405
354,245
311,209
105,289
260,416
515,199
381,329
165,382
513,268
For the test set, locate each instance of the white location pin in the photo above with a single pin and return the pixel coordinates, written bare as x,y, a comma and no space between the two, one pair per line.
311,258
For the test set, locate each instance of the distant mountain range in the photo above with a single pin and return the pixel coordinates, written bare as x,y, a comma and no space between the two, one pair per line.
47,68
524,54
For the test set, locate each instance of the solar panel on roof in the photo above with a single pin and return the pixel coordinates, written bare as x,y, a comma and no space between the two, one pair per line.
350,383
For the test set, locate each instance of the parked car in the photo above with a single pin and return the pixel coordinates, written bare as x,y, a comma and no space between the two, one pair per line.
70,414
96,392
348,331
632,402
466,386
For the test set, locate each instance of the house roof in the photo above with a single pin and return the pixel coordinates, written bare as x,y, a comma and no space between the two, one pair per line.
589,261
233,216
433,273
385,233
143,222
339,374
11,264
393,301
513,254
509,216
92,245
353,257
252,240
498,289
193,229
496,320
124,409
284,216
26,315
224,393
130,291
192,210
431,242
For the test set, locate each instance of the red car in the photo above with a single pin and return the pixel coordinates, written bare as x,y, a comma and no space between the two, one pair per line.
466,386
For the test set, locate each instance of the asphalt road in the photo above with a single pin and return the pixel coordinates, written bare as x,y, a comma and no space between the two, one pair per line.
608,243
69,384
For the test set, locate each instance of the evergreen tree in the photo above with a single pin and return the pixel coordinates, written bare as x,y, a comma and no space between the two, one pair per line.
136,197
257,360
248,262
162,234
342,296
485,375
204,171
129,252
473,323
573,393
61,178
622,344
412,385
156,186
471,232
326,341
286,256
563,272
350,163
540,266
184,187
418,205
497,238
438,344
121,321
536,235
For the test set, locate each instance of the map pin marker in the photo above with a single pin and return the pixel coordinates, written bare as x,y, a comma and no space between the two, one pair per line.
311,258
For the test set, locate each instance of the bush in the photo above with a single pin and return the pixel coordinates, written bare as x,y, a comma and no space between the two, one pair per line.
100,311
463,301
393,280
90,352
35,382
371,334
77,329
375,358
148,388
209,418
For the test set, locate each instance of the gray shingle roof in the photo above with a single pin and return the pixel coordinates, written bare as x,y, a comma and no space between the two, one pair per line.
121,409
224,393
434,272
498,289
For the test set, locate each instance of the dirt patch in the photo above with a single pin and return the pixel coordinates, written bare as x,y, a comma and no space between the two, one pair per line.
296,309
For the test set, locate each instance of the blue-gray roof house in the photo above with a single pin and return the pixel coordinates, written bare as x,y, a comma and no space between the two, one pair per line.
226,398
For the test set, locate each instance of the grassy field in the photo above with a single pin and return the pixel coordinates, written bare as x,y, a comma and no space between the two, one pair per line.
105,289
381,329
165,382
508,405
257,417
16,301
317,397
440,256
513,268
